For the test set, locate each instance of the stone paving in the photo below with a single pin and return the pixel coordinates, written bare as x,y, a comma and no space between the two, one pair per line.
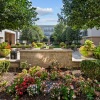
76,56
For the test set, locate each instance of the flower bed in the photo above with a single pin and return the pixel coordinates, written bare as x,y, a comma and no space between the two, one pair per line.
37,84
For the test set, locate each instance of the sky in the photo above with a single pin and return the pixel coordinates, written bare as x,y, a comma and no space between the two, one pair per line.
47,11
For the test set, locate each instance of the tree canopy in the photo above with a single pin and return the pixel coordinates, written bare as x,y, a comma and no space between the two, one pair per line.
63,33
81,14
58,31
32,33
14,14
71,36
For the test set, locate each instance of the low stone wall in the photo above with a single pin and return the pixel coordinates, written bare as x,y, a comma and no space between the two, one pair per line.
14,64
45,58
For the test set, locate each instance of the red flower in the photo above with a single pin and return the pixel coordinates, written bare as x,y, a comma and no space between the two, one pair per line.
21,93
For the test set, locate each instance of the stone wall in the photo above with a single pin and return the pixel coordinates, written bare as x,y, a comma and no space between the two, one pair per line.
14,64
45,58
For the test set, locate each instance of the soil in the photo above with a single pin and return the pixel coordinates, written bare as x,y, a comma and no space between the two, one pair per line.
4,96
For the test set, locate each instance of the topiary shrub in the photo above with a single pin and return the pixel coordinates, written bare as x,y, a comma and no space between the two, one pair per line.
62,45
74,47
96,52
39,45
87,49
4,66
34,45
91,68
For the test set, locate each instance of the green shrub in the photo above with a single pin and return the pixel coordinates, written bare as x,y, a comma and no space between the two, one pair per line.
39,45
97,52
24,64
17,43
87,89
34,69
34,45
87,49
91,68
3,45
20,46
4,52
51,47
73,46
4,66
62,45
53,75
44,75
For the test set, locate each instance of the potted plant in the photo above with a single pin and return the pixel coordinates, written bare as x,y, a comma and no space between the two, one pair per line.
87,49
5,49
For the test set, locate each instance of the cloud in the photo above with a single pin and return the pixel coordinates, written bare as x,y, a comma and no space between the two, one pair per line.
44,11
47,21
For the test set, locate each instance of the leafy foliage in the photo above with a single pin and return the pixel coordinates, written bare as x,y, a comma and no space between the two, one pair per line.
4,49
96,52
14,14
87,89
4,66
87,49
63,33
32,33
24,64
68,87
62,44
71,36
58,31
82,13
91,69
4,52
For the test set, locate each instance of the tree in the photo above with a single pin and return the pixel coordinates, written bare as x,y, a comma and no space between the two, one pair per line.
39,32
45,39
32,33
71,36
65,34
82,14
58,31
14,14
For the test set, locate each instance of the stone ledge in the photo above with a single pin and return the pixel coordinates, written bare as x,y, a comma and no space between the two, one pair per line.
46,50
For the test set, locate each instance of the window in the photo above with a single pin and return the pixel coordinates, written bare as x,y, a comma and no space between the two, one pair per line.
85,33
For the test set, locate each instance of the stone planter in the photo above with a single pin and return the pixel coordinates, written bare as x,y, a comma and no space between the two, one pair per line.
4,52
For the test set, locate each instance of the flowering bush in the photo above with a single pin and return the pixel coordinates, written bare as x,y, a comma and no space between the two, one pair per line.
32,90
44,75
23,74
54,75
67,87
21,88
33,70
20,85
87,89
